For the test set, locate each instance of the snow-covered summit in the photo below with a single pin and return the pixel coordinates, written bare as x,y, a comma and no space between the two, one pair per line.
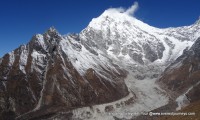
118,16
122,35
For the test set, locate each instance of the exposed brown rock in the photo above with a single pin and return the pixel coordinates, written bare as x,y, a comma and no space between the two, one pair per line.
184,74
55,85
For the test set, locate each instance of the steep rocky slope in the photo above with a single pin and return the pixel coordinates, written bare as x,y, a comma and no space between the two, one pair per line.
55,71
182,77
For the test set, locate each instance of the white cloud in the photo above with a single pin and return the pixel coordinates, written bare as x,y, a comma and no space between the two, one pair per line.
132,9
121,10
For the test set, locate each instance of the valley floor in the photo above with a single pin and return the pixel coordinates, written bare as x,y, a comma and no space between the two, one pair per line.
144,96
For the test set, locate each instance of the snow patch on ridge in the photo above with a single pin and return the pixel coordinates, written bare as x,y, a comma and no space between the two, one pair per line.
37,59
11,58
41,40
23,59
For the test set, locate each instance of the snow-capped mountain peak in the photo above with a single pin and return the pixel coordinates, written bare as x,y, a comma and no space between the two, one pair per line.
122,35
118,16
90,68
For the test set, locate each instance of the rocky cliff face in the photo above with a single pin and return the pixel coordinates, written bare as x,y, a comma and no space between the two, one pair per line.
182,76
42,74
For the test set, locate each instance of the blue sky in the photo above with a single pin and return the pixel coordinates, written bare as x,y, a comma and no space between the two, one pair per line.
21,19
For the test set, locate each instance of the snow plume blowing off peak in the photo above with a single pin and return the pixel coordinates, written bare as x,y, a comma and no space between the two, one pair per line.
117,14
130,11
